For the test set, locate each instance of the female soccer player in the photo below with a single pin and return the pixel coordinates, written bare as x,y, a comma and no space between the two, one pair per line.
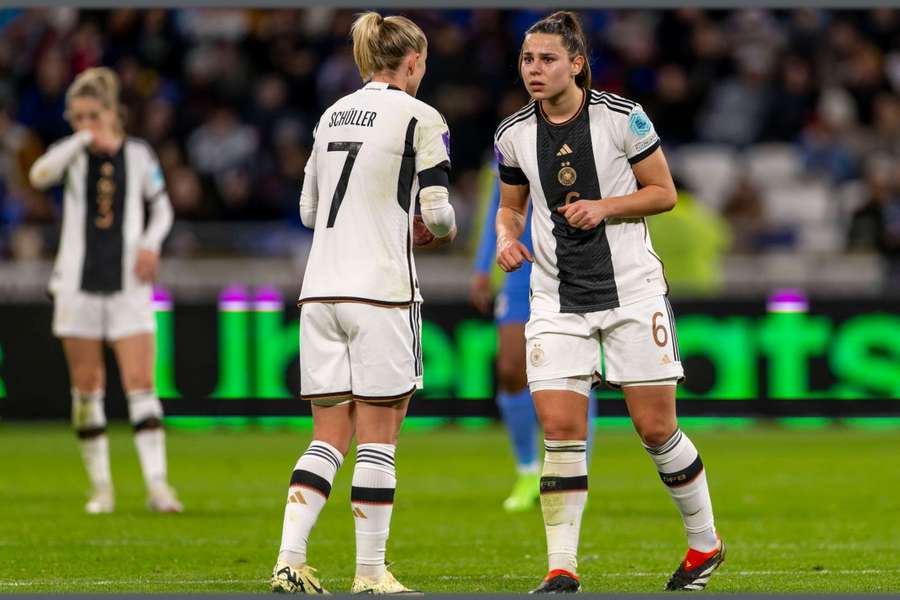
360,325
513,397
592,164
102,281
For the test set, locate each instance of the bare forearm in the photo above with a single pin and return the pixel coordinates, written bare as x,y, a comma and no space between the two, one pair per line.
647,201
510,224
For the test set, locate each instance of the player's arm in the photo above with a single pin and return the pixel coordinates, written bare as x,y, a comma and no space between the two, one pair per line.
48,170
637,139
159,222
309,193
511,215
480,292
438,224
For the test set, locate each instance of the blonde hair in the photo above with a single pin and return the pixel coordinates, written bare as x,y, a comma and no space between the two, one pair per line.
381,43
99,83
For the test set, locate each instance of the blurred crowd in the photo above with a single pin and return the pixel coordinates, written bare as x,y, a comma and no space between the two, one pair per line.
228,98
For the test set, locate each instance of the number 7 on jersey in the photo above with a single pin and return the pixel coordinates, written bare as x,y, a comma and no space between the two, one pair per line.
352,149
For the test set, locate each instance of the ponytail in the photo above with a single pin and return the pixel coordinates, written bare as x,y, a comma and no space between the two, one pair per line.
381,43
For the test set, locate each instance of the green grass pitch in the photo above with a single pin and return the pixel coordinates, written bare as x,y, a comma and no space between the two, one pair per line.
802,511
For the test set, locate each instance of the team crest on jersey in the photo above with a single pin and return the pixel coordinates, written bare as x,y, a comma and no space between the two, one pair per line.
537,356
639,123
567,175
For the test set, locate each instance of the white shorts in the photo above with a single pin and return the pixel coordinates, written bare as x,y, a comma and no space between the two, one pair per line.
103,316
359,351
638,341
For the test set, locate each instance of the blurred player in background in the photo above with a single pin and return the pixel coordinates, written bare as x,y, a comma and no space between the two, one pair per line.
375,151
102,280
511,309
596,282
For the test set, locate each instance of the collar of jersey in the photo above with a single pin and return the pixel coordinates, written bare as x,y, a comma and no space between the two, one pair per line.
380,85
584,96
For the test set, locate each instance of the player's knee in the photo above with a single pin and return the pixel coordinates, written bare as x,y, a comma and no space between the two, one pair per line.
655,433
87,379
564,429
137,379
145,411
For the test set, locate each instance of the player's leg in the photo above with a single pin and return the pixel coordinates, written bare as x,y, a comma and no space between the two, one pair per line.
642,357
136,355
325,382
385,362
561,353
517,411
84,358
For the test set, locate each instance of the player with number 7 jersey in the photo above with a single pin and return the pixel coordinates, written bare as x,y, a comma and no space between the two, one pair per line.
374,150
377,153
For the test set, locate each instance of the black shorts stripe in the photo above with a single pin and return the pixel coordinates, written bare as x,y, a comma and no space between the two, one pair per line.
684,476
148,424
311,480
553,485
421,370
672,329
438,175
512,175
90,432
368,495
644,153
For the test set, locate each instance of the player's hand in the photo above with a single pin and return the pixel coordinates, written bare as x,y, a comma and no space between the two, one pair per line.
583,214
105,141
146,266
480,292
421,236
511,254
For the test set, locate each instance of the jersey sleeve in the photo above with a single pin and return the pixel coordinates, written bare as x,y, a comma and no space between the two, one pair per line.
154,185
507,162
432,147
639,138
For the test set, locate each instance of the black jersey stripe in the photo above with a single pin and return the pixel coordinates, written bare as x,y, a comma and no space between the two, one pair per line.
583,258
616,99
106,180
525,109
504,127
610,107
404,193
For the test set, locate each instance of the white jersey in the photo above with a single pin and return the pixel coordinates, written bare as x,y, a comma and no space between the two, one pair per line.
374,149
103,222
590,156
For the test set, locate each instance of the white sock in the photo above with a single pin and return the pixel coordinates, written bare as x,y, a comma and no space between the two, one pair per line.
309,489
145,413
89,420
682,471
372,498
563,495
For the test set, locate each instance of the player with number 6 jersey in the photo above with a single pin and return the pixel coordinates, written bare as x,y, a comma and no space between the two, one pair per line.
592,165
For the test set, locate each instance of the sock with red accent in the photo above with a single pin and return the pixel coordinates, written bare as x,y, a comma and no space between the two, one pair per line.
563,496
681,470
309,489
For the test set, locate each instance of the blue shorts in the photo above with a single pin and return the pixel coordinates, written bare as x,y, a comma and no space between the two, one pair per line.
512,303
